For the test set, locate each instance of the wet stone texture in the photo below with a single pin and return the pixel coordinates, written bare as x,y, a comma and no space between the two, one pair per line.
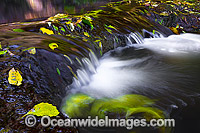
41,80
41,83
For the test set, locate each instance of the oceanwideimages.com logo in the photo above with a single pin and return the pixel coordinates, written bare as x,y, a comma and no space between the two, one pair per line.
46,121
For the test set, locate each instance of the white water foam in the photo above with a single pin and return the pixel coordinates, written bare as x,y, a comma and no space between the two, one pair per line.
112,77
173,45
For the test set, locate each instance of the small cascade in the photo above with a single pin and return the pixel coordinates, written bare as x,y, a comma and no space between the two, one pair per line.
110,77
174,45
134,38
139,73
89,66
137,38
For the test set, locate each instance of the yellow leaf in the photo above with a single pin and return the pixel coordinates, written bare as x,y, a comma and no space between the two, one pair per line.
14,77
43,109
174,30
164,14
3,52
86,34
109,30
46,31
88,18
69,22
51,19
59,15
97,40
110,26
79,21
53,45
32,51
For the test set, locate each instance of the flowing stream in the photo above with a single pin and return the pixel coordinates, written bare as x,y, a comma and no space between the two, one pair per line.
110,61
166,69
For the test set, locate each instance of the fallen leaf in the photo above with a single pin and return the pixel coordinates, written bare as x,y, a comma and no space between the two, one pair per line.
85,21
56,28
110,26
32,51
78,21
14,77
58,71
164,14
109,30
18,30
53,45
46,31
86,34
43,109
68,22
175,30
88,18
62,29
3,52
59,15
79,26
97,40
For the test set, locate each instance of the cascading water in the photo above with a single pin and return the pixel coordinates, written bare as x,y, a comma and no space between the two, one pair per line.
122,73
147,68
172,45
147,74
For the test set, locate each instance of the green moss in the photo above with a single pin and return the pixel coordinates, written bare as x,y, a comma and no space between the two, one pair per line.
81,105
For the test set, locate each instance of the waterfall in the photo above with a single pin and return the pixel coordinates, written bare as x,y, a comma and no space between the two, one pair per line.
139,68
173,45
